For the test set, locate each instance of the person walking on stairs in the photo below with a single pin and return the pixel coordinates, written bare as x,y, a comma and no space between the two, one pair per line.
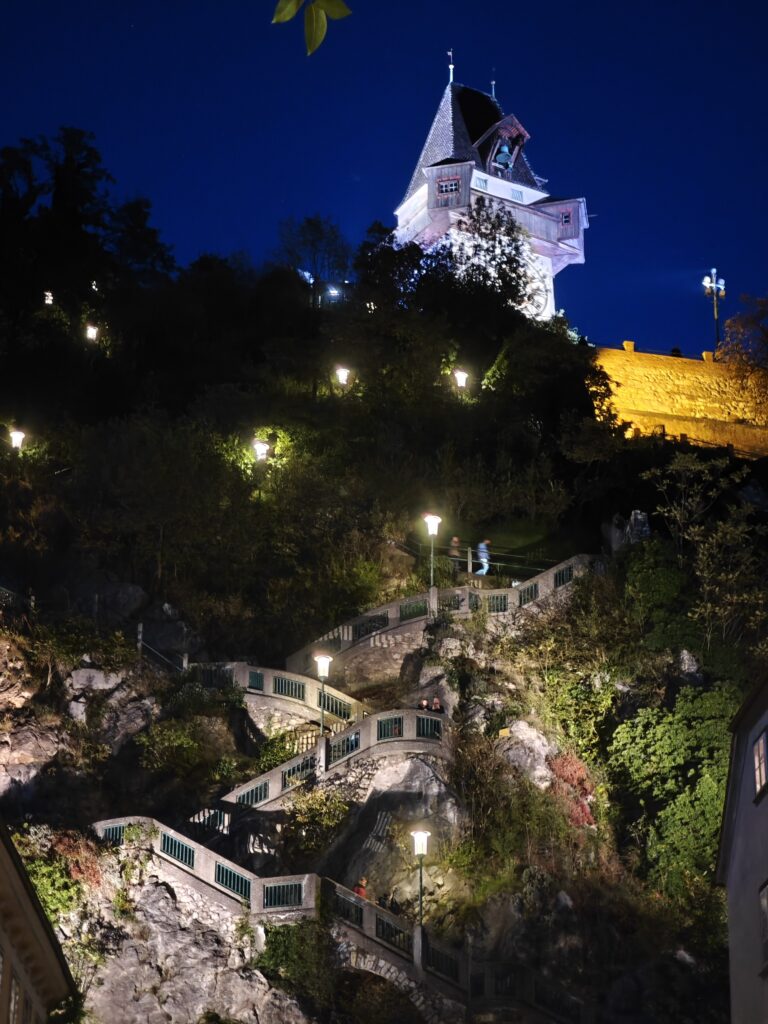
483,557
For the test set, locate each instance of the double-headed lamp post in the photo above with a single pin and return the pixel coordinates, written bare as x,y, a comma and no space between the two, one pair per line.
432,524
714,287
323,662
17,438
420,837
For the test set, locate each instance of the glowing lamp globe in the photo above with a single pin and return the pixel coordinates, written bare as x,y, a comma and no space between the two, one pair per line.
432,524
323,665
91,332
48,298
17,438
420,838
261,448
461,378
342,375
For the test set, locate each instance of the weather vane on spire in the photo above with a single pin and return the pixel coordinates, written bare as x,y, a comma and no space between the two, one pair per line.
450,66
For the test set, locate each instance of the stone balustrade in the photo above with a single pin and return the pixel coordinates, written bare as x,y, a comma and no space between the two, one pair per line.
404,731
409,947
301,692
293,894
370,629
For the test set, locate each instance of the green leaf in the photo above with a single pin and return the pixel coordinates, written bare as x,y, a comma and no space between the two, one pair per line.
334,8
315,27
286,9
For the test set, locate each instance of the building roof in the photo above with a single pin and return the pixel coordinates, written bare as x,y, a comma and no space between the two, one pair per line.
462,131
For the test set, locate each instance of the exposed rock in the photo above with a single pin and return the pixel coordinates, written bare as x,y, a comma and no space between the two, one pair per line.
178,958
431,675
690,668
89,680
25,749
16,686
528,749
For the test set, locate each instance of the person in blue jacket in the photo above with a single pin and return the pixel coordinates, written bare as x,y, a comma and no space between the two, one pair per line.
483,557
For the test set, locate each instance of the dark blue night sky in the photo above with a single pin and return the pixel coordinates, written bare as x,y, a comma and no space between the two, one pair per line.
655,112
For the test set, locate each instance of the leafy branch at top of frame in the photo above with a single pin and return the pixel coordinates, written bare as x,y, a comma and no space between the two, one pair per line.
316,15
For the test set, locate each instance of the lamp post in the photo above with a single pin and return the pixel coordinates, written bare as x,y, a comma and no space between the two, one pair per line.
323,667
342,375
91,332
714,287
432,524
420,837
461,378
17,438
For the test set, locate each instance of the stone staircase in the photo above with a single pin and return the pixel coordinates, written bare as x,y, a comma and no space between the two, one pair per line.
443,981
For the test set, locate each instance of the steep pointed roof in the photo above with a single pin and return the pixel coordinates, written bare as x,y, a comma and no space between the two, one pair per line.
463,122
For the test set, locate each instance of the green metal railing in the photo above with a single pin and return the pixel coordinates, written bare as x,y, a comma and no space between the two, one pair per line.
347,909
215,818
298,772
550,996
371,624
255,795
474,601
283,894
236,883
528,594
344,747
393,935
428,728
115,834
283,686
390,728
173,847
255,680
334,705
563,576
497,603
452,603
413,610
442,963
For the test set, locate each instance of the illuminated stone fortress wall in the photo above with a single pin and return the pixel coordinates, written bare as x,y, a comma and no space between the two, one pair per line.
700,400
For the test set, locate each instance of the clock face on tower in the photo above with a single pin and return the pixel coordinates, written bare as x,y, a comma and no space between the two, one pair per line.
538,288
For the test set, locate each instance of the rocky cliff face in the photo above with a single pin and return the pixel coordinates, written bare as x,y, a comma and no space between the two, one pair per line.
177,957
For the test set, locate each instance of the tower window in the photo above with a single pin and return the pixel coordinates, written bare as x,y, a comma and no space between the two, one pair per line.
447,186
565,218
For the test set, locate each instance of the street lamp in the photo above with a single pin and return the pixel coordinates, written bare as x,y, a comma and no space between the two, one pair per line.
17,438
48,298
420,837
261,448
323,667
432,524
91,332
714,287
342,375
461,378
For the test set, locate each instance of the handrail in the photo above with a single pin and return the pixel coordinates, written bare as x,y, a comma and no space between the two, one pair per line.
460,600
410,947
295,688
401,730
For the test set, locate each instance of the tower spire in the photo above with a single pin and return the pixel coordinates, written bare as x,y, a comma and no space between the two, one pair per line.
450,66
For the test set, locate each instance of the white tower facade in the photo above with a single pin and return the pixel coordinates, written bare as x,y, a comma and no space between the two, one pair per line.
473,149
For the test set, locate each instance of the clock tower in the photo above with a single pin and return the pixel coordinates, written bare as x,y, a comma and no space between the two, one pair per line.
473,149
